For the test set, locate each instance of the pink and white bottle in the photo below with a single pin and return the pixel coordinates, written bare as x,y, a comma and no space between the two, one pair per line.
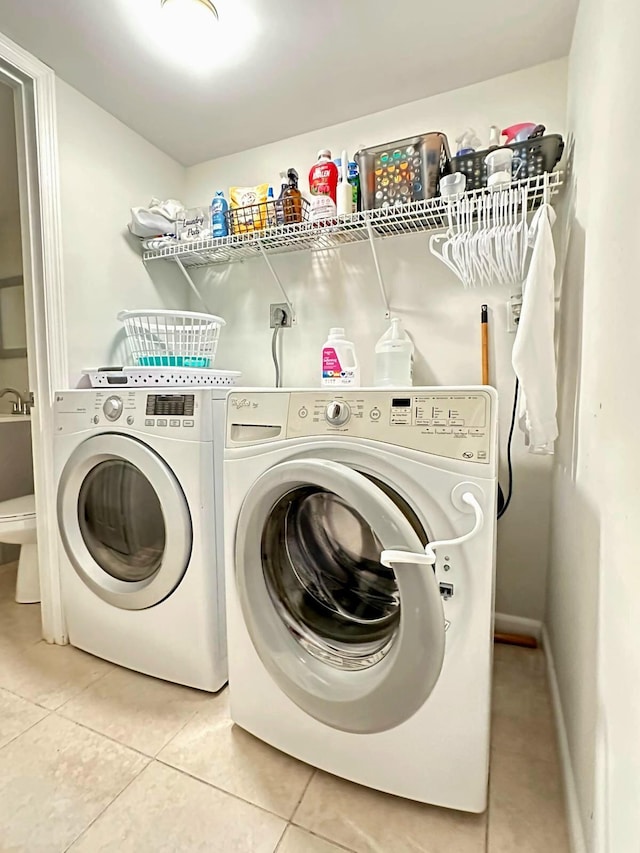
340,366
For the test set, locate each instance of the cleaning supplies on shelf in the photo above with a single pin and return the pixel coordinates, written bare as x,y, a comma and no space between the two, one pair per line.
322,210
272,209
345,190
452,185
354,180
323,177
519,132
394,357
494,136
467,142
403,171
219,208
194,224
499,163
291,199
248,208
340,366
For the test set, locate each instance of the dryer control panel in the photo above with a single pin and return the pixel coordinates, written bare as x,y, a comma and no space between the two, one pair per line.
167,413
458,423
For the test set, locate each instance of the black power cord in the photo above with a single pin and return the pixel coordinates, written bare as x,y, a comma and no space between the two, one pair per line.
505,505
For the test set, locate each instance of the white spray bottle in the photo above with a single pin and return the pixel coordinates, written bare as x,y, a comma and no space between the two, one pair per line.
394,357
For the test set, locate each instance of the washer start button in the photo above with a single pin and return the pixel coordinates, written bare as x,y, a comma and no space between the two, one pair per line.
375,414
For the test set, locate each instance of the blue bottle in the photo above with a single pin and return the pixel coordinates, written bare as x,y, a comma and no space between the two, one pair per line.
219,208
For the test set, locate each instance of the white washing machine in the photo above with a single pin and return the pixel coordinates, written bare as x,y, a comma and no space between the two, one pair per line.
139,508
377,673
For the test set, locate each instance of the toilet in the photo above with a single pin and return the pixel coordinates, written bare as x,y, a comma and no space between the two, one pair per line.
18,527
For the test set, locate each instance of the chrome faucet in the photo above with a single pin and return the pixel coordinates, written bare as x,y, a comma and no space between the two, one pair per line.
20,405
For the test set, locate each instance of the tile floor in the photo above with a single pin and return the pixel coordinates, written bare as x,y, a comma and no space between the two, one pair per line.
98,758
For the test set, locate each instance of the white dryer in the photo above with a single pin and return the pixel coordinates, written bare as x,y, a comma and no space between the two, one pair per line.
139,515
377,673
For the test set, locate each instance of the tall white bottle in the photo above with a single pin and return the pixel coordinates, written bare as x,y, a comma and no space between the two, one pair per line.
340,366
344,190
394,357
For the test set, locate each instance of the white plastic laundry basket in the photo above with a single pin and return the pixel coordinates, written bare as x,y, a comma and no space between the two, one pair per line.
159,338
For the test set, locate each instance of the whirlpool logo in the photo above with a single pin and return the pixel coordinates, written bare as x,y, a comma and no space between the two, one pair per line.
243,403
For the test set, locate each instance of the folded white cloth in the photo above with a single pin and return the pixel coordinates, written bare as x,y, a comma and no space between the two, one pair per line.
534,355
156,219
152,243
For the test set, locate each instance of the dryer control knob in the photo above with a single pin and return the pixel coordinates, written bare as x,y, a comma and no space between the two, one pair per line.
337,413
112,408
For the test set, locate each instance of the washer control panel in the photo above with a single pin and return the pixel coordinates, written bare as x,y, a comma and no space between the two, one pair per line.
337,413
457,423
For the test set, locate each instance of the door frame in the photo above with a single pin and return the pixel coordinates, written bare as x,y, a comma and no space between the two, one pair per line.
33,84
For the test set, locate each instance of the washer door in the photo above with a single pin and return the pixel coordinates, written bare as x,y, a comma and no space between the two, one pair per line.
354,644
124,521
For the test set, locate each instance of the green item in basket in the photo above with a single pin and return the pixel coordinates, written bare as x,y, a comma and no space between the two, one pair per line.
173,361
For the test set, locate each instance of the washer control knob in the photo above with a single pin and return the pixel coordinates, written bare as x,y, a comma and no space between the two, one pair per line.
112,408
337,413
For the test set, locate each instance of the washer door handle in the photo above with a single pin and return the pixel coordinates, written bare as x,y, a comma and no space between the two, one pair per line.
387,558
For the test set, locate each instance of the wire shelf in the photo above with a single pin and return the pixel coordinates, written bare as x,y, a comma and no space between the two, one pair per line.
413,218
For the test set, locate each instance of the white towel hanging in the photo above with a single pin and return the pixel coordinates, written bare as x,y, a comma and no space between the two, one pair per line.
534,357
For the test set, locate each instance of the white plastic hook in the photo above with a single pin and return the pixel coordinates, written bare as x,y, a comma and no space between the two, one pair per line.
428,558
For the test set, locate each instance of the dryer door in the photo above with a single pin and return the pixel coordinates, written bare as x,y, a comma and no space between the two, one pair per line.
354,644
124,521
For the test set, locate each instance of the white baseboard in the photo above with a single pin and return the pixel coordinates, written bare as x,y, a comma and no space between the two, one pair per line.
506,624
576,833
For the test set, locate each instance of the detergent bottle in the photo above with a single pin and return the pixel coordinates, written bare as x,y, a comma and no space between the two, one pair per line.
323,177
340,366
219,208
394,357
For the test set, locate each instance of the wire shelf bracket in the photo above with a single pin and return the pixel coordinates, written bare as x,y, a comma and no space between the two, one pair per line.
276,278
191,283
376,262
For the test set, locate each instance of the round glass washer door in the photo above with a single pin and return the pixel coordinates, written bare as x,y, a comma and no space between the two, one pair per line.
353,643
124,521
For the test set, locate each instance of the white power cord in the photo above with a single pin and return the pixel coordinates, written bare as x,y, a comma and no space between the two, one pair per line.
388,558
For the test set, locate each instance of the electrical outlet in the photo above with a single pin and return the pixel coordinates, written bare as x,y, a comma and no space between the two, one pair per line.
274,315
514,307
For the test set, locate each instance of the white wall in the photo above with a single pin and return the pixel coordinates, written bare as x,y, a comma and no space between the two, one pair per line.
340,289
13,371
105,169
594,581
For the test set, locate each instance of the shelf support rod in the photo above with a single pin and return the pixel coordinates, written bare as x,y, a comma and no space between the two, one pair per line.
191,284
374,252
276,278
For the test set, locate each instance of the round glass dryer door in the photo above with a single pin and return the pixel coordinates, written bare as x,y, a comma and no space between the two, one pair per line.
114,501
355,644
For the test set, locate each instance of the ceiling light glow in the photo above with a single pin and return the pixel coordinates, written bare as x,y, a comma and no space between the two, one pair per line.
193,36
189,4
